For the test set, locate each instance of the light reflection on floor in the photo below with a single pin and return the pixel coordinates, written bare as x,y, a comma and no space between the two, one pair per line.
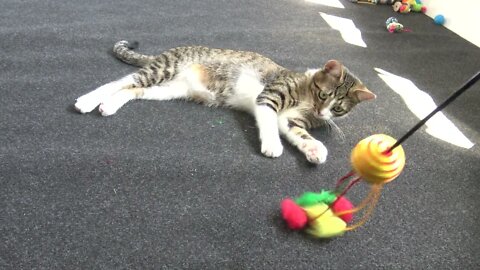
330,3
421,104
350,33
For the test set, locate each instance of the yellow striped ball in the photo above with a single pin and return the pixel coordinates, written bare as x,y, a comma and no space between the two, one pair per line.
374,163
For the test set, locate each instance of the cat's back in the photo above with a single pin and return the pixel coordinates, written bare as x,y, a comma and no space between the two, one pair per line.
224,57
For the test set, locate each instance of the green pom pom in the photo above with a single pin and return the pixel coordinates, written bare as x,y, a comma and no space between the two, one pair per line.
312,198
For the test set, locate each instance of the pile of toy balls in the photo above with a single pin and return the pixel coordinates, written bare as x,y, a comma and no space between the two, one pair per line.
405,6
393,26
316,213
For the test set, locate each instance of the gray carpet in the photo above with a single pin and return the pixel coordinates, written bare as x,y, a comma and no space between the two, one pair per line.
174,185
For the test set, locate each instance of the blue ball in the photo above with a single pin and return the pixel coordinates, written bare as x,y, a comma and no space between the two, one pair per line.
439,19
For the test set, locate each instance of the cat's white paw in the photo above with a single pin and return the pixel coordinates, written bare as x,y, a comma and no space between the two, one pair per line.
315,151
107,109
272,148
86,104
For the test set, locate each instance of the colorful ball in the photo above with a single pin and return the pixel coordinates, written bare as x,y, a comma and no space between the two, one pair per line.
312,198
374,163
340,205
418,8
439,19
323,223
293,214
395,28
391,20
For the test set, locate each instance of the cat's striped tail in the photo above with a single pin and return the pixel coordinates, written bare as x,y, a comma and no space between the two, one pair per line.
123,50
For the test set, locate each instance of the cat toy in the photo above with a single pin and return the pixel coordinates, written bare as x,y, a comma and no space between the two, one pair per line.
405,6
377,160
439,19
393,26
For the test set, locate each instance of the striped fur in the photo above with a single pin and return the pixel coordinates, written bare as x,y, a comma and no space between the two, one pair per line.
283,102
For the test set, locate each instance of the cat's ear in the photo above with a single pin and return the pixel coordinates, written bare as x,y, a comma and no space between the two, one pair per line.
334,68
363,94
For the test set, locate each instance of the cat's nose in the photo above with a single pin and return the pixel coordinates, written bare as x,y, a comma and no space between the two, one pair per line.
319,115
323,112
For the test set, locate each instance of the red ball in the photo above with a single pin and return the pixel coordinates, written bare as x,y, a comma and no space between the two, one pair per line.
293,214
340,205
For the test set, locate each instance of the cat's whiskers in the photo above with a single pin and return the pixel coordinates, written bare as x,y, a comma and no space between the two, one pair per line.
336,128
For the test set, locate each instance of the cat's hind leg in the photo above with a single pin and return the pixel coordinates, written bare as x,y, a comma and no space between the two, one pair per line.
166,91
117,100
186,85
91,100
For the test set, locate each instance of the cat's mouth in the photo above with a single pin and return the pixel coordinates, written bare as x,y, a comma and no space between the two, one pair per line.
322,116
322,113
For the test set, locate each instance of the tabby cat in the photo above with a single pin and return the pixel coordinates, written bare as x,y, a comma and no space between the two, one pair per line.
283,102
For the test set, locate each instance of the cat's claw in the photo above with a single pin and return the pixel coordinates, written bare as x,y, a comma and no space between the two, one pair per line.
315,151
272,149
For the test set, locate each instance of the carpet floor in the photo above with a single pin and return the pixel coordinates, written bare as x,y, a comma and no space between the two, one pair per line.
175,185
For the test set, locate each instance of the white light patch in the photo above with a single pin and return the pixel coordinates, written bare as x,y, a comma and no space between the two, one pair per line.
330,3
421,104
350,33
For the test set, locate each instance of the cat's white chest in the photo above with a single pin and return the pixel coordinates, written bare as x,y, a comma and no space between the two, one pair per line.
246,89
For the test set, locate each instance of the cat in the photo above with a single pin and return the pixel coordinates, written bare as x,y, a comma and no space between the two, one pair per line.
283,102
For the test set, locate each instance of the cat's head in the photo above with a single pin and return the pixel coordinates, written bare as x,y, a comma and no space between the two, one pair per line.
336,91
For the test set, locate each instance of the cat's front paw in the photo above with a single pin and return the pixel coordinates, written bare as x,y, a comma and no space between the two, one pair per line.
315,151
273,148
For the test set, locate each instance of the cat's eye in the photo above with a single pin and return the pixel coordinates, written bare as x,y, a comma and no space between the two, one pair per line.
337,109
322,95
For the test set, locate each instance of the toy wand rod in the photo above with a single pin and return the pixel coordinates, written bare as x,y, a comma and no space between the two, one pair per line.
457,93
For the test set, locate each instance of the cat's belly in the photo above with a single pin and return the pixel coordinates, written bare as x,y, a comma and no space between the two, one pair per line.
245,91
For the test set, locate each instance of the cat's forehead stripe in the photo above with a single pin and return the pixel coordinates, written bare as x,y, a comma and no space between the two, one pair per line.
348,82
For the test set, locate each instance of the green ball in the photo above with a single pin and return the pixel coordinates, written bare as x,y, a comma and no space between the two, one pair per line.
312,198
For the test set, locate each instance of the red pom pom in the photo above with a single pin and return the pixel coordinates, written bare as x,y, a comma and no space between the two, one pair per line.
293,214
340,205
